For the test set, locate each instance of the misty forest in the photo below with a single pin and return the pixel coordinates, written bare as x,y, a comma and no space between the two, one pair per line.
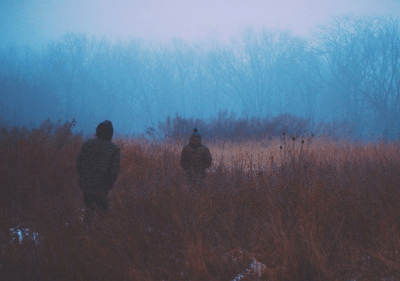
303,133
348,70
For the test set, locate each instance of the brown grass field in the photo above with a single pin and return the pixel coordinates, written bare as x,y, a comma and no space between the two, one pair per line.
303,209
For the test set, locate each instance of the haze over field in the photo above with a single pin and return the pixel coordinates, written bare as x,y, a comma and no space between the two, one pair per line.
38,21
139,62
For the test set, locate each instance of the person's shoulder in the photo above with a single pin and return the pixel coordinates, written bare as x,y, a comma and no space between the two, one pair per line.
108,144
101,143
114,145
186,147
89,141
205,149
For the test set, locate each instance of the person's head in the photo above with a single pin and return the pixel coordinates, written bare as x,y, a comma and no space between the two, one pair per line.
105,130
195,138
196,134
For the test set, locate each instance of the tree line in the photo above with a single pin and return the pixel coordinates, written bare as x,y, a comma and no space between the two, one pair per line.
347,70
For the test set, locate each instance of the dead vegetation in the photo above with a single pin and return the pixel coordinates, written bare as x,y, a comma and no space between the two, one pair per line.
303,209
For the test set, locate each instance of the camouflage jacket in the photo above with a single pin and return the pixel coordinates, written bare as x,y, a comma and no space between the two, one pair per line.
98,165
195,157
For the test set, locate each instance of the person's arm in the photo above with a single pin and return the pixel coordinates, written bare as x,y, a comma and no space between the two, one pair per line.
115,166
207,158
79,160
184,159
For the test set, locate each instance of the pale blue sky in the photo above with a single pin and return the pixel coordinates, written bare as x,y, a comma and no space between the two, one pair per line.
36,21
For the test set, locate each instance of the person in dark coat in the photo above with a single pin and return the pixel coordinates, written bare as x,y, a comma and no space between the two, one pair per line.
195,159
98,165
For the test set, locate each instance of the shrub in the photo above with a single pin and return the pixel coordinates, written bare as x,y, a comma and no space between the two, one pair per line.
227,126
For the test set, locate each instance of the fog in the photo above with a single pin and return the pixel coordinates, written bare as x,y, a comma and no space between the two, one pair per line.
136,63
36,22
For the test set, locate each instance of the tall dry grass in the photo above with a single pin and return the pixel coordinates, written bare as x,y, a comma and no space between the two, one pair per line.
312,210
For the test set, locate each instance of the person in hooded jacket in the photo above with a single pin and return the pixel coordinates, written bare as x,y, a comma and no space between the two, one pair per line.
195,159
98,165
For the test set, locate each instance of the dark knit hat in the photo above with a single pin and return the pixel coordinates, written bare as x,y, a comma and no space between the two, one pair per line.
196,134
105,130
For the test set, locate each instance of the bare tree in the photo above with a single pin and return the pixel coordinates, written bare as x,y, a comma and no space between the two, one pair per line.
67,63
382,84
296,80
247,70
362,54
340,44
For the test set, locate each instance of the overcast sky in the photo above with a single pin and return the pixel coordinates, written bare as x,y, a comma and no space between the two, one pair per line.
36,21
